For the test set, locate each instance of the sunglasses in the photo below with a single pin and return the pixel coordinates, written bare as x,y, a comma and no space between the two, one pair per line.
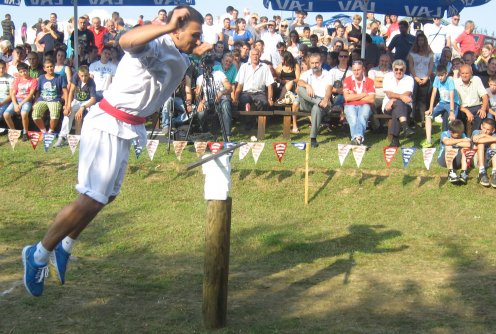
343,56
399,70
284,25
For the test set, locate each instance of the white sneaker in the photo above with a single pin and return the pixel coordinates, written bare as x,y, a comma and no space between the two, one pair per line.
62,141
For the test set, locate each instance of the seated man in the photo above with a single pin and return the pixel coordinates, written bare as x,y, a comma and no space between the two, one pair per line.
359,95
177,109
6,81
473,97
51,90
82,95
314,91
21,93
398,90
254,79
455,137
485,139
222,88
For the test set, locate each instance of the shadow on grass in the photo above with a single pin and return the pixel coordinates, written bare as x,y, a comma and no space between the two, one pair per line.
330,174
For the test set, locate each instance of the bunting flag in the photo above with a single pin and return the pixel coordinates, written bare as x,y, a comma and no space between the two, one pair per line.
343,150
300,145
389,153
256,150
34,138
48,139
469,155
243,150
491,152
151,147
428,154
2,130
228,145
407,154
138,148
280,149
200,147
73,141
14,137
358,153
179,147
214,147
450,154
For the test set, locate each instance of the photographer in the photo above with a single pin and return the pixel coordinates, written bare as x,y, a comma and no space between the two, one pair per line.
214,90
52,38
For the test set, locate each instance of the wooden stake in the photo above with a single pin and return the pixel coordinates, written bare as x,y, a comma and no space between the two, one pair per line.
307,155
216,267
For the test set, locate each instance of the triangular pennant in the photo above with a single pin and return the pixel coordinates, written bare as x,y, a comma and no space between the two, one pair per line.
48,139
256,150
200,147
428,154
301,145
179,147
469,155
407,153
34,138
73,141
214,147
343,150
228,145
491,152
151,147
389,153
2,130
358,153
450,154
243,150
14,137
280,149
138,148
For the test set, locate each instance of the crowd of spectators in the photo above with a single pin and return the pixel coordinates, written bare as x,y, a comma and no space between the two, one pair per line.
411,71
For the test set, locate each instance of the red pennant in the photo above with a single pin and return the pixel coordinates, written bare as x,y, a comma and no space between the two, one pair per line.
35,138
389,152
280,149
469,155
215,147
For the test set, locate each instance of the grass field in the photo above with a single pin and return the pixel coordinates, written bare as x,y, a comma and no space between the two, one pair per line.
377,250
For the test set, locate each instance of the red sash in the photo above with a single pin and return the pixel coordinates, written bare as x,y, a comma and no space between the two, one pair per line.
121,115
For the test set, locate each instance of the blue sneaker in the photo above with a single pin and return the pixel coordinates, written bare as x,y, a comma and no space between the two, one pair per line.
59,259
34,274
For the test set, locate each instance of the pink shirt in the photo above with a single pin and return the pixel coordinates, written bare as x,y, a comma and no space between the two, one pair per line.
23,87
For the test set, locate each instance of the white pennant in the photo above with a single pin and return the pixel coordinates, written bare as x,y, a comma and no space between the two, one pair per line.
256,150
14,137
151,147
343,150
2,130
179,147
428,153
243,150
73,141
200,147
358,153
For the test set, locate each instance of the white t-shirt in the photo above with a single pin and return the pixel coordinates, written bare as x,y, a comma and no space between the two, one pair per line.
436,37
453,32
218,78
337,74
492,99
421,64
390,84
102,74
318,83
270,42
211,33
377,73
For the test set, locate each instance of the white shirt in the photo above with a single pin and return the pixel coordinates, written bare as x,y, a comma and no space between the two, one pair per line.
390,84
421,64
211,33
492,98
377,73
337,74
270,42
436,37
453,32
318,83
254,79
102,74
218,78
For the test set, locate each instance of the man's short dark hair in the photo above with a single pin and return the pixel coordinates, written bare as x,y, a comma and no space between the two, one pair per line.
456,126
194,16
441,69
22,66
403,24
490,122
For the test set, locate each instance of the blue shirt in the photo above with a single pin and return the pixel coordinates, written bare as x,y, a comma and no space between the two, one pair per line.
445,88
446,134
51,90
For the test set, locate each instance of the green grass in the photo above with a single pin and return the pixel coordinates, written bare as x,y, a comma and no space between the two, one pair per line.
377,250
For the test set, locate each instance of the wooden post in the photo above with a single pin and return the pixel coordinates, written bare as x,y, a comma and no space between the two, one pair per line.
216,267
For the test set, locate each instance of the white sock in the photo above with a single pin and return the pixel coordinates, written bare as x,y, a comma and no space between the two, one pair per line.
67,244
493,171
41,254
482,169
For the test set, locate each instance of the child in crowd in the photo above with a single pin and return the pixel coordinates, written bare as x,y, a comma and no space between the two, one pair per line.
82,95
305,38
6,81
51,90
448,106
454,138
485,141
21,93
491,92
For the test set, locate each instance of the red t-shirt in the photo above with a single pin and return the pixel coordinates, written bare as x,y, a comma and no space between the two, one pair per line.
357,87
22,87
99,37
467,42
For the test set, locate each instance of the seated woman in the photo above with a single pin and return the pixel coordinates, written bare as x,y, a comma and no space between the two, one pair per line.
288,74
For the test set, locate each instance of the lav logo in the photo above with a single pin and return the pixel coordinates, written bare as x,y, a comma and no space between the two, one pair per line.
12,2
